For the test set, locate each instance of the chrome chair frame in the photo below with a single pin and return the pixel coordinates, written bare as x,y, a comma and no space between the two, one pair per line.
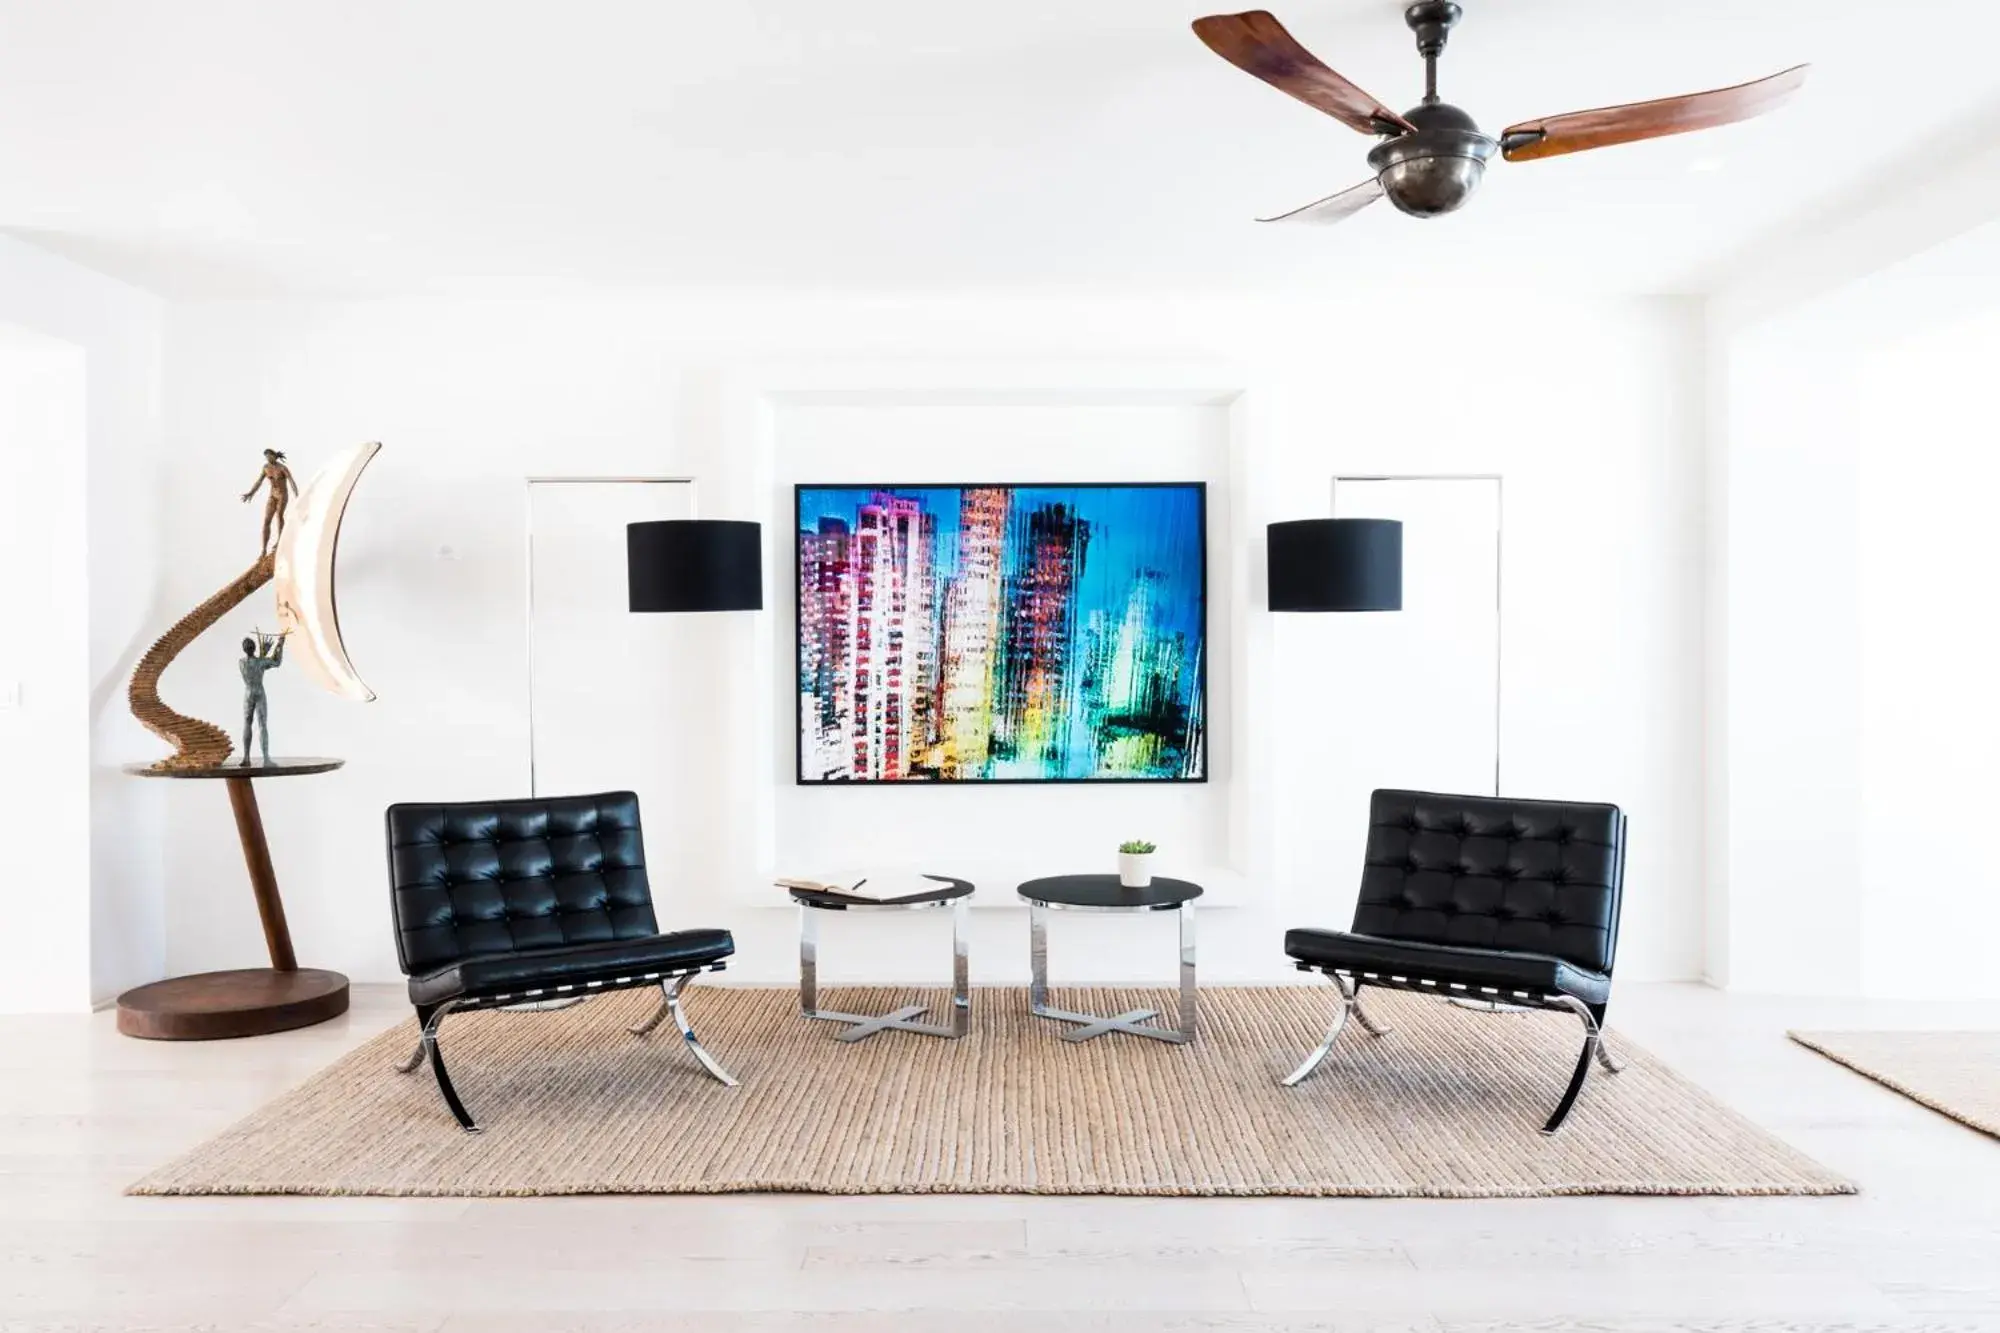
903,1019
543,998
1131,1022
1595,1049
1350,1002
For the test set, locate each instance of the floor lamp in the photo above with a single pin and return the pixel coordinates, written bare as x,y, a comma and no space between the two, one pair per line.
1335,564
694,564
1342,564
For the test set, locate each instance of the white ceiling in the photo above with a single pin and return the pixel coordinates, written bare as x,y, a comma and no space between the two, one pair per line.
368,147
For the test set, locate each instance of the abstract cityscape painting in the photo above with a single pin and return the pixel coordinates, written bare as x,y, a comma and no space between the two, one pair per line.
1002,633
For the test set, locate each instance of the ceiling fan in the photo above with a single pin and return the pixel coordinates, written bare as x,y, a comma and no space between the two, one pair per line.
1433,156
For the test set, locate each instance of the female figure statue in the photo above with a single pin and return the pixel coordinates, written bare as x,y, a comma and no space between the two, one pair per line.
279,477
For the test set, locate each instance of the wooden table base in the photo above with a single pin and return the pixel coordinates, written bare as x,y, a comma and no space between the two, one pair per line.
251,1001
248,1002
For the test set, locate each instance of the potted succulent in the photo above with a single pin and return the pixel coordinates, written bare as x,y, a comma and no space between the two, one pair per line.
1135,863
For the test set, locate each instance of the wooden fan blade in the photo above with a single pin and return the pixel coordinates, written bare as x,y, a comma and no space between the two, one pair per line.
1335,207
1553,136
1258,44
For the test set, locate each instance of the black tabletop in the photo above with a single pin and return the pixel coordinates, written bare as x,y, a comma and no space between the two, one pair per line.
1106,891
947,889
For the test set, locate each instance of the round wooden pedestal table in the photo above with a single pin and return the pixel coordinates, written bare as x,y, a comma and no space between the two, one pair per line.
250,1001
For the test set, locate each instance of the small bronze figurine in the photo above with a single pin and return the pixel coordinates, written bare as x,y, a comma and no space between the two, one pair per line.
262,653
279,477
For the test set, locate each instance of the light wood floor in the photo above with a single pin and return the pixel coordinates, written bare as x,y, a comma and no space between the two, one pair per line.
84,1111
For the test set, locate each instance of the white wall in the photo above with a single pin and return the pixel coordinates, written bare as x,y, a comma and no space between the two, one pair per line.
44,671
1928,552
1792,751
1604,479
1856,474
95,516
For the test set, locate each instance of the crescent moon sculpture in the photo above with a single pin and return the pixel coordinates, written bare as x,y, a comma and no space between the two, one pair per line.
302,567
303,573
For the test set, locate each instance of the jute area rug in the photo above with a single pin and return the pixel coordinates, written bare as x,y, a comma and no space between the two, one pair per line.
1447,1106
1954,1073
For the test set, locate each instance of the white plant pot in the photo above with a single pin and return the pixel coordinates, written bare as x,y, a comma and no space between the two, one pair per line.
1135,869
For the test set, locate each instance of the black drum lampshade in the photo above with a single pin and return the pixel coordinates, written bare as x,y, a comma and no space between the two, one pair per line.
694,564
1336,564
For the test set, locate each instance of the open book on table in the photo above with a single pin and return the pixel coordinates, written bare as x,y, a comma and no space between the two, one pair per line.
875,886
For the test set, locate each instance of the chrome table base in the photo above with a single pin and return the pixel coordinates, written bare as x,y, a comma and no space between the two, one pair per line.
900,1020
1131,1021
866,1025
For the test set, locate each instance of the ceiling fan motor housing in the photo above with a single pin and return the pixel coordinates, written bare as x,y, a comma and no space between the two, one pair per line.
1436,169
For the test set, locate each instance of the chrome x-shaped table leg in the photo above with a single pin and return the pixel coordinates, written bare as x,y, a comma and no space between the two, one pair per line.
899,1020
1132,1021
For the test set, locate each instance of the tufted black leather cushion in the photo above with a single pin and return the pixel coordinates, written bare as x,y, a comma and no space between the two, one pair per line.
499,877
1482,872
576,966
1444,964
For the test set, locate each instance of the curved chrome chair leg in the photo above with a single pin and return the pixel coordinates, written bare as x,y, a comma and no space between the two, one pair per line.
1311,1062
1611,1064
659,1014
430,1044
1368,1025
1593,1049
409,1066
701,1054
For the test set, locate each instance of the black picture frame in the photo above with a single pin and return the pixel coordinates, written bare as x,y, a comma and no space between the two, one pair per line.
799,779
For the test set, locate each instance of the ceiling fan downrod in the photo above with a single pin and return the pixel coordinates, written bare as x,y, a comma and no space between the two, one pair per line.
1432,21
1434,169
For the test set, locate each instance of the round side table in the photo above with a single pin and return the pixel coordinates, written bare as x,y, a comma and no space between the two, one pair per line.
251,1001
1103,893
953,893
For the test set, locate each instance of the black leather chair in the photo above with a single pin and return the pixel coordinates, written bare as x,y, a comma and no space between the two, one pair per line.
1483,899
516,902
